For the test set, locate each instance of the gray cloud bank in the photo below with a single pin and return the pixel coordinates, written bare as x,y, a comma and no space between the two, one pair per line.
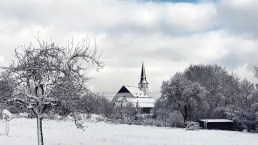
167,36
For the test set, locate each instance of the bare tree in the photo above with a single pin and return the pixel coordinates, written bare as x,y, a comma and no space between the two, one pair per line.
47,74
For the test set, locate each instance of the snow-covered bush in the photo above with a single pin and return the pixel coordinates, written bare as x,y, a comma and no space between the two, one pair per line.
147,122
166,118
153,122
126,113
96,118
22,115
175,119
6,115
192,126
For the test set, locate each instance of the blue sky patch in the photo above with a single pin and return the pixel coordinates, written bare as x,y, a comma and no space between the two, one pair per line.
178,1
190,1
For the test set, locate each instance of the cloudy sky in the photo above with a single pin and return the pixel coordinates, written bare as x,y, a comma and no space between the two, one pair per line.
168,35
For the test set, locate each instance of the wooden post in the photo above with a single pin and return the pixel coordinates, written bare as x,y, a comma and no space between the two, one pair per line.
7,128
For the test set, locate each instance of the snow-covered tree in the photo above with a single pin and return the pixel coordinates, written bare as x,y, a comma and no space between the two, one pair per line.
255,99
47,74
180,94
226,96
247,94
223,88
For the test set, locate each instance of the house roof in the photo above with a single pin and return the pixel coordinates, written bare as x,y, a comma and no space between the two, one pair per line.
216,120
142,102
137,97
135,91
146,105
146,100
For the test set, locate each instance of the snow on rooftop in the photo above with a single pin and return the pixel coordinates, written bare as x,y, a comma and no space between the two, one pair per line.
136,97
145,100
216,120
136,92
142,102
146,105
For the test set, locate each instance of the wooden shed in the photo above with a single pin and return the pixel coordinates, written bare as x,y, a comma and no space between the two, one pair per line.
220,124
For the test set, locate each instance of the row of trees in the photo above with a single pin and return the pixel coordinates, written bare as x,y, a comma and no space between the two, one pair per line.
209,91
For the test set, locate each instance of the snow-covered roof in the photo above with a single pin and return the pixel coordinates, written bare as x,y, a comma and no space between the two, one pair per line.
136,92
145,105
146,100
135,96
142,102
216,120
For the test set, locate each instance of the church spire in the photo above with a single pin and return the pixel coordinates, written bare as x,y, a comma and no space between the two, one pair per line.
143,84
143,75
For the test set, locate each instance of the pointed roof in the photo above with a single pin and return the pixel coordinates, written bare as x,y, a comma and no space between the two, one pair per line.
135,91
143,75
136,97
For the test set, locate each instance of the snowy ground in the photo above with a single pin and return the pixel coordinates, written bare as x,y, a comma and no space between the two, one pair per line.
23,132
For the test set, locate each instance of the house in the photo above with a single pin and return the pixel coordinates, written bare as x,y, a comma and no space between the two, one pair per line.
137,96
220,124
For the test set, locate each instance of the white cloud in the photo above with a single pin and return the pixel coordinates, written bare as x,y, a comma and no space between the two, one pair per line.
113,15
191,17
239,16
168,37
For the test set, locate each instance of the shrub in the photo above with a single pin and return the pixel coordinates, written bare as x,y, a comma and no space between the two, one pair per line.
192,126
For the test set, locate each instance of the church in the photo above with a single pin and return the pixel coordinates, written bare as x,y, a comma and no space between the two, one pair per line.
137,96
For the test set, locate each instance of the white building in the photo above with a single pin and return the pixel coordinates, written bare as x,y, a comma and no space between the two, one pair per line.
137,96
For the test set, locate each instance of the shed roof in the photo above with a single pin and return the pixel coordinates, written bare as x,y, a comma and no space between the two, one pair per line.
216,120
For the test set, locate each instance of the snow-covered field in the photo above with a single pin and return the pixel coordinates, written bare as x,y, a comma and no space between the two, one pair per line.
23,132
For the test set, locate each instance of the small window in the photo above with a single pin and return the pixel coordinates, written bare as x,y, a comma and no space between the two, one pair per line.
145,110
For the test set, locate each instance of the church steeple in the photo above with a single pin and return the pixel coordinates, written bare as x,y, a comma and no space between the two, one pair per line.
143,84
143,75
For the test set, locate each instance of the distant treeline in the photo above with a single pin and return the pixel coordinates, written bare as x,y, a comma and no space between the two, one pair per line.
201,91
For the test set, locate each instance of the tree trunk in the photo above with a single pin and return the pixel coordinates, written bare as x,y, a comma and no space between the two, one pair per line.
39,130
186,113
